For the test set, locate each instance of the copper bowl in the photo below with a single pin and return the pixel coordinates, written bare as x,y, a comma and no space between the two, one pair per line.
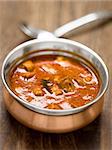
47,120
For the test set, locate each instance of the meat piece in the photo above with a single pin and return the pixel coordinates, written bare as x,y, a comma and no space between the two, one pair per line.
29,66
28,74
77,102
80,81
49,68
55,89
54,106
52,88
38,91
62,61
57,79
67,85
60,58
84,78
29,98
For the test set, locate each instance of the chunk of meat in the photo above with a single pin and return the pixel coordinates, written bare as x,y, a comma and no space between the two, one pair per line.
29,98
60,58
57,79
38,91
77,102
84,78
48,68
67,85
54,106
29,66
55,89
88,78
80,81
62,61
28,74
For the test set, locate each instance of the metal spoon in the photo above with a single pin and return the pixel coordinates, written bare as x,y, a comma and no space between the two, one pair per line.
100,16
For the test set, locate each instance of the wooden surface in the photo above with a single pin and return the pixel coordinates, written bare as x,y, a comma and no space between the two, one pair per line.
49,15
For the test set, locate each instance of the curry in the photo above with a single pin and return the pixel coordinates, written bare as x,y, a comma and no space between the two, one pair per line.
54,82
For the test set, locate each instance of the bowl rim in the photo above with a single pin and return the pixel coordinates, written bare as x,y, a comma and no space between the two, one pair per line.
51,111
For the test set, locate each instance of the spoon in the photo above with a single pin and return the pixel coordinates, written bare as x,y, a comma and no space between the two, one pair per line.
99,17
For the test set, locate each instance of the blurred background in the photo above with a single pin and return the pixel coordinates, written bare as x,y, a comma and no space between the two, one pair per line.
50,14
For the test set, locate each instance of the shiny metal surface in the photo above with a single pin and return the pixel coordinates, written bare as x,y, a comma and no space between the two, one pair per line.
49,123
100,16
34,33
64,47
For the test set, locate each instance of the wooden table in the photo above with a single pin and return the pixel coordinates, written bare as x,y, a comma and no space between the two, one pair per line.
49,15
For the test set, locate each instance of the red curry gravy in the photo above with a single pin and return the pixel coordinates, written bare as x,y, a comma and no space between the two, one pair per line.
54,82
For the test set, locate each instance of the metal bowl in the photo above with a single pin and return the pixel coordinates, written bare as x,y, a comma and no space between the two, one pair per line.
46,119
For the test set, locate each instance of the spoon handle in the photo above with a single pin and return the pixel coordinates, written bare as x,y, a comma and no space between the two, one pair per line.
31,32
85,20
100,16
